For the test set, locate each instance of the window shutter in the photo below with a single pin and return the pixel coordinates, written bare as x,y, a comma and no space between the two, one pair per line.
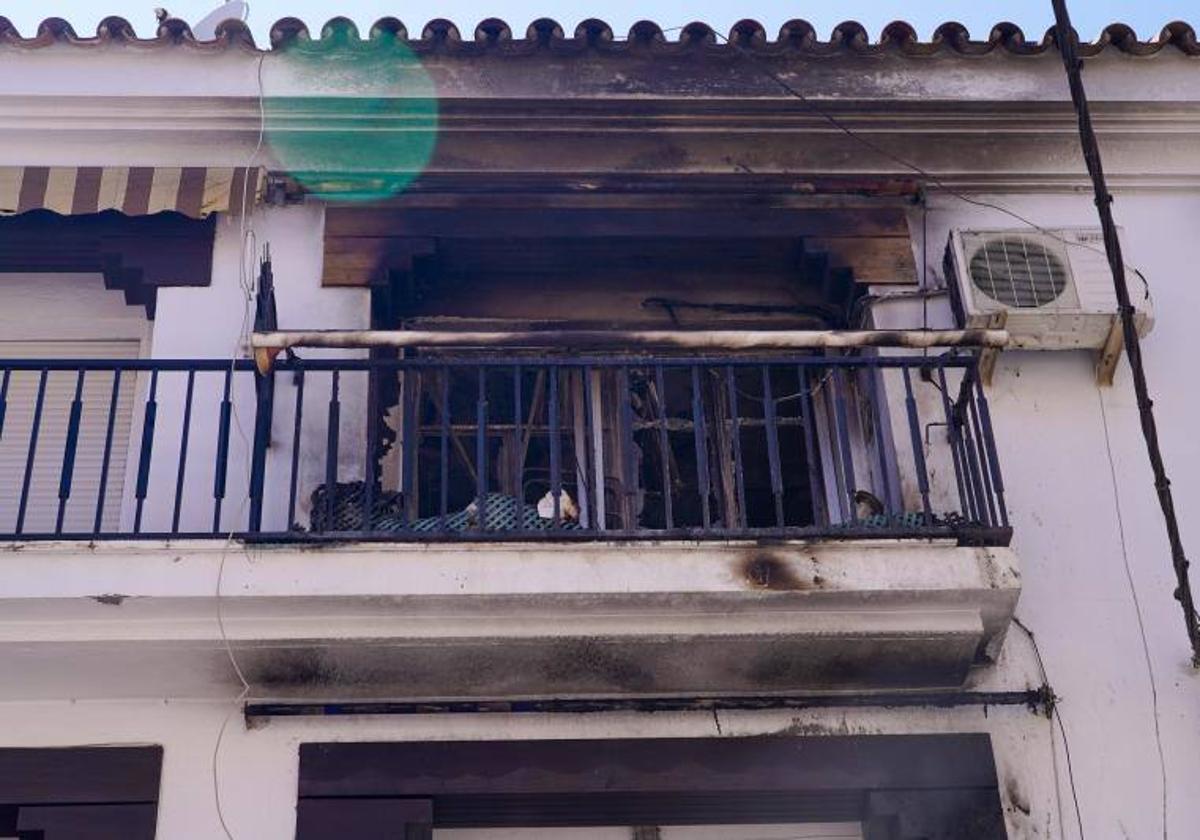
364,819
43,499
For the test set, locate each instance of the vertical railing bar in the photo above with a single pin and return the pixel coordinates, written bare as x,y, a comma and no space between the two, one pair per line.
106,457
970,456
147,450
772,431
952,433
918,448
700,434
68,463
629,474
444,454
555,444
33,439
812,453
481,477
294,480
593,507
4,398
184,434
516,468
264,409
332,435
371,462
409,444
222,465
735,422
664,445
872,375
850,490
985,415
984,472
589,447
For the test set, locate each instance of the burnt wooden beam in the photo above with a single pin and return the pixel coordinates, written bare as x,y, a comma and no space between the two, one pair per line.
867,237
478,220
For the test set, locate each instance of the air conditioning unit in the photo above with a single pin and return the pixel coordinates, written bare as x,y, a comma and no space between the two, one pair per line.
1052,290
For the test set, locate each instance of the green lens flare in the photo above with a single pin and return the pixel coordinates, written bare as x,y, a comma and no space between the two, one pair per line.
348,119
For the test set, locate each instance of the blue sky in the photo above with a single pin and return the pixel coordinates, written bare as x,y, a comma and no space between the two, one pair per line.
1034,16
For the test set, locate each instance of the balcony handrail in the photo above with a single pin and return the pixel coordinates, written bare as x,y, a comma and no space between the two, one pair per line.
163,364
326,364
804,434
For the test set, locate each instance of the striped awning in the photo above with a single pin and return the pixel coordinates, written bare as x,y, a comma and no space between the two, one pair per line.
194,191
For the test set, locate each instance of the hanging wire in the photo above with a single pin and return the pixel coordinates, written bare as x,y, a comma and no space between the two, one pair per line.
1137,608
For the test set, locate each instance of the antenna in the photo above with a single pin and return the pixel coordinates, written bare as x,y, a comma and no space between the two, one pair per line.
206,28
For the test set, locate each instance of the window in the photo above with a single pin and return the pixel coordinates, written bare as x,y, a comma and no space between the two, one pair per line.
65,316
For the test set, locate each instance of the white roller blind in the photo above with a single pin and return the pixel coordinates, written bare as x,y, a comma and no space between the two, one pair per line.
43,495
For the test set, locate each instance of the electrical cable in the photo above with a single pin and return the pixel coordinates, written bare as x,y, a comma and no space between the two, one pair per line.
1137,608
1056,715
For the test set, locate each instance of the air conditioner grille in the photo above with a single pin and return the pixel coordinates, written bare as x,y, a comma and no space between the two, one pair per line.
1018,272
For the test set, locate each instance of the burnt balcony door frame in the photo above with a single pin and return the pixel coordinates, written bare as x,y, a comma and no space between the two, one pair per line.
423,283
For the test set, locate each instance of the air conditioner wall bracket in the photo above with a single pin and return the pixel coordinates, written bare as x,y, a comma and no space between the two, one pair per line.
989,355
1110,353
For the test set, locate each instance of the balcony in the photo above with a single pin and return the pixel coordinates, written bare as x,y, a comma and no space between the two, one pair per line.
473,526
527,448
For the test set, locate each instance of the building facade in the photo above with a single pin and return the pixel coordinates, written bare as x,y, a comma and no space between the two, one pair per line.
477,435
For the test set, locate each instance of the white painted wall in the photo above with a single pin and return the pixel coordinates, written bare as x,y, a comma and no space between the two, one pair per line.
1076,597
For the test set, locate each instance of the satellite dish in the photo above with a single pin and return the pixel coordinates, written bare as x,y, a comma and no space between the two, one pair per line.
206,29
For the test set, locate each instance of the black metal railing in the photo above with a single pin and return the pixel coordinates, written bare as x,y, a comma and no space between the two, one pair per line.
473,447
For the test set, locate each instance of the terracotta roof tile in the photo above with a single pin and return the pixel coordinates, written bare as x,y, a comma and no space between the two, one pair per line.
494,35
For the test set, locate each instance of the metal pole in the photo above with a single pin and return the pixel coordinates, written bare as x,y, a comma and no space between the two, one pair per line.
1039,700
268,344
1067,43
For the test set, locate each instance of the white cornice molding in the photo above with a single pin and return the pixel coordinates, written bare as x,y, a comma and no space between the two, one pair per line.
1009,145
